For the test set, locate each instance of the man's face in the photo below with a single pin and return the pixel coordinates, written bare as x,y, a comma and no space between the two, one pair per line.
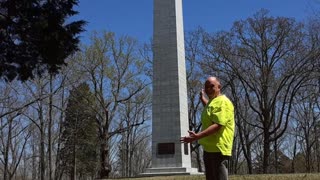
212,88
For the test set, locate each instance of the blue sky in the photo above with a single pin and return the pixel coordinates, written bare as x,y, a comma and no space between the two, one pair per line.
134,17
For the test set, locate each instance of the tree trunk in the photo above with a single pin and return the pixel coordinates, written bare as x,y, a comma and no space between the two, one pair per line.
73,173
266,152
74,164
105,168
276,157
249,161
6,174
42,146
198,158
58,170
34,161
294,156
49,130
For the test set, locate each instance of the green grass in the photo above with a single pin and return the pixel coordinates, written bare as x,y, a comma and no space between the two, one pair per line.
239,177
277,177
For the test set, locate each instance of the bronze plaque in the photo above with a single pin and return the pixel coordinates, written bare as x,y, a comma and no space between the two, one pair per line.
165,148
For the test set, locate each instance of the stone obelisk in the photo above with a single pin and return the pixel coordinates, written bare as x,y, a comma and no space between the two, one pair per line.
169,104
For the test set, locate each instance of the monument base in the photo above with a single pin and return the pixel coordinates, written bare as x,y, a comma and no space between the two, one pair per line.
170,171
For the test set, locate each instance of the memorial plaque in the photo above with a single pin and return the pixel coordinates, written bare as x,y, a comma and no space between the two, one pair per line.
186,148
165,148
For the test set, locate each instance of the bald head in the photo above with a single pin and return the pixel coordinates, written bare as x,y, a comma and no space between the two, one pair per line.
212,87
213,79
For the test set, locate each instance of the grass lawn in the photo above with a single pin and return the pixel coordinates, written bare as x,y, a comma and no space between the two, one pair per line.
239,177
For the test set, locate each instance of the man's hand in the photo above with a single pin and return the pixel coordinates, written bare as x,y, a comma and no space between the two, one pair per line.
188,139
202,93
202,97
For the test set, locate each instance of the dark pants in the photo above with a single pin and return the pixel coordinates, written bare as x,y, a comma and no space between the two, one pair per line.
215,166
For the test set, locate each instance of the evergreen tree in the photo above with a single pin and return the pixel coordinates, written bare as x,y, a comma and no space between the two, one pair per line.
35,37
79,153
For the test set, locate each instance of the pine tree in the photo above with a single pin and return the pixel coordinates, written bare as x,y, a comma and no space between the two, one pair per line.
79,153
35,37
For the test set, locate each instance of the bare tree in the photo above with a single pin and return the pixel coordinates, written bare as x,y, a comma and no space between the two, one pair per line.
307,116
13,134
271,58
291,145
42,114
115,72
195,80
134,111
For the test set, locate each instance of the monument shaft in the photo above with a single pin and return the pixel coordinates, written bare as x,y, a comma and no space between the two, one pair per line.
170,105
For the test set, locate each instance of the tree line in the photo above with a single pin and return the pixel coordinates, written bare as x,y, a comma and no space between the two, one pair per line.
93,118
269,67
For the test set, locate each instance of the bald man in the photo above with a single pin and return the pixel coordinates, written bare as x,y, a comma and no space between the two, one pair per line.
216,136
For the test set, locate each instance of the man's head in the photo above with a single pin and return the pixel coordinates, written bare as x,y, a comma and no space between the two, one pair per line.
212,87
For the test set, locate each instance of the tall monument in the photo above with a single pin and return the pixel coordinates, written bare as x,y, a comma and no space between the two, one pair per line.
170,105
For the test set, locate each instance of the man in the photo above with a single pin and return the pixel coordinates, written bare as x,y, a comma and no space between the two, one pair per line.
216,136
